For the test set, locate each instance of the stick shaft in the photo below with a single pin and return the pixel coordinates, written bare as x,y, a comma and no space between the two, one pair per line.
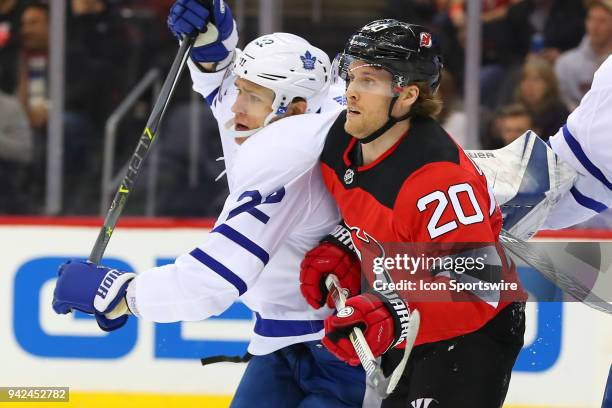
367,359
141,152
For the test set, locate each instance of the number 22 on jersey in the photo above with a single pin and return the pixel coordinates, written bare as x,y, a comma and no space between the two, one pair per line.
255,199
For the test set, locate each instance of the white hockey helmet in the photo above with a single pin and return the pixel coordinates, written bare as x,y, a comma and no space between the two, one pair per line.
288,65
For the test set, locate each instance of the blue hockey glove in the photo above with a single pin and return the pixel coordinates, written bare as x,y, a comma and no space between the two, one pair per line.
92,289
211,21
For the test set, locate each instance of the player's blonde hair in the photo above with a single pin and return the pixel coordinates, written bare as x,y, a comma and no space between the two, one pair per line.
428,103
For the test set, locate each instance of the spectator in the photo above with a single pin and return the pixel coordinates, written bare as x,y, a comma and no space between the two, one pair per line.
538,91
557,25
511,122
506,37
16,144
16,147
510,28
451,34
575,68
96,26
97,32
10,16
82,93
32,88
32,91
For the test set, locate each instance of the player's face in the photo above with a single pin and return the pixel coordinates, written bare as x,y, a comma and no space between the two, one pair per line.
368,94
252,106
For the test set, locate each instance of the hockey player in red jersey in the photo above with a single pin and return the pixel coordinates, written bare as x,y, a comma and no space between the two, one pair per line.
398,177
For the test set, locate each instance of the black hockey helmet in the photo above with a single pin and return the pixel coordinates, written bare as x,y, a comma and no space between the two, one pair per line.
408,51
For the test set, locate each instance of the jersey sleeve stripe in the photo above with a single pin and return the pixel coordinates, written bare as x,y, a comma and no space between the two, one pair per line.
220,269
583,159
243,241
211,97
587,202
286,328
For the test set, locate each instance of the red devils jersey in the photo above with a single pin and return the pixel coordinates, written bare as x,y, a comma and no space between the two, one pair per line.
424,189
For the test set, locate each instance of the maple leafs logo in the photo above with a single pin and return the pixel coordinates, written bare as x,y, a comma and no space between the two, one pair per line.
308,60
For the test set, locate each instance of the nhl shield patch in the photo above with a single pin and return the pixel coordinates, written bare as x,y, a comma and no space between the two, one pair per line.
349,176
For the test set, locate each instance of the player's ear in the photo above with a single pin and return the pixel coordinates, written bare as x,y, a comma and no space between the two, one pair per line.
406,98
409,94
297,107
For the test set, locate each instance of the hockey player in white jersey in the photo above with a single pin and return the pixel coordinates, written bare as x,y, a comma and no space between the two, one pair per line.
585,143
277,209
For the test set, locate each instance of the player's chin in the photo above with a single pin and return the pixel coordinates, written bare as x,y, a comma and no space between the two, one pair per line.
353,126
357,129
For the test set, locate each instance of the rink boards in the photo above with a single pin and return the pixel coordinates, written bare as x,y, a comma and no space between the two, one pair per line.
567,353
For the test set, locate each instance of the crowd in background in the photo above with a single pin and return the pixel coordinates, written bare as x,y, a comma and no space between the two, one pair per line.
538,60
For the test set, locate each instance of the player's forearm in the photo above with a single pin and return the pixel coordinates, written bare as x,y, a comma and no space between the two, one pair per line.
205,83
170,294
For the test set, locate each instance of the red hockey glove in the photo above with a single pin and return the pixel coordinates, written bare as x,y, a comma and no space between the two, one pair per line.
384,322
333,255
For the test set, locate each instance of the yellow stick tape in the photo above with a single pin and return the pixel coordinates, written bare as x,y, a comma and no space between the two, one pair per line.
133,400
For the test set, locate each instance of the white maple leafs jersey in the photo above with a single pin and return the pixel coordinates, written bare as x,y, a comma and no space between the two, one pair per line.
585,142
278,209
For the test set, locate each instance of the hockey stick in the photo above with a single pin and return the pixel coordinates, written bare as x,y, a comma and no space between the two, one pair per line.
374,374
542,263
141,152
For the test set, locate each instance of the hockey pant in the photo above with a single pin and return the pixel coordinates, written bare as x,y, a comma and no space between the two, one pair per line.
303,375
469,371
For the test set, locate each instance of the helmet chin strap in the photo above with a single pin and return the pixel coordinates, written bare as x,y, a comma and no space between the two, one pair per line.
388,125
270,116
230,128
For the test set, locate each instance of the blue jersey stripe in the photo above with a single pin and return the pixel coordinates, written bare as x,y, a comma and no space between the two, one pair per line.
286,328
583,159
210,98
243,241
587,202
220,269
